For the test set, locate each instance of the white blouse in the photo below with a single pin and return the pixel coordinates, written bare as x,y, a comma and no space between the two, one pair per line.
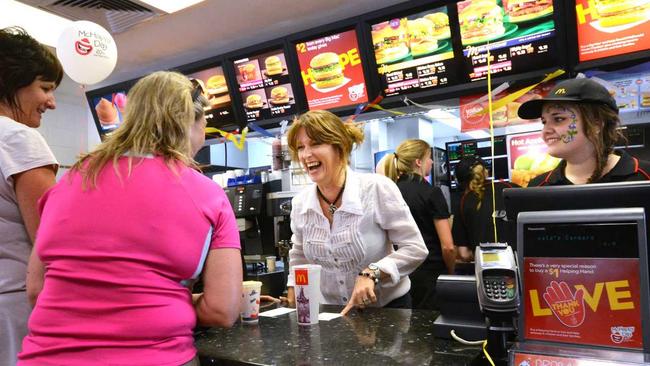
373,219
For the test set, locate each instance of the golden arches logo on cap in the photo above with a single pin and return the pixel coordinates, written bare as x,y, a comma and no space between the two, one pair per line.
560,91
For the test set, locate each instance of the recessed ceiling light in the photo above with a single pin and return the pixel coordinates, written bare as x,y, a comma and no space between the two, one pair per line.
171,6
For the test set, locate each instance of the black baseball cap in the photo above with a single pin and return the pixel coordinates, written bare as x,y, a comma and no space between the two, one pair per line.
573,90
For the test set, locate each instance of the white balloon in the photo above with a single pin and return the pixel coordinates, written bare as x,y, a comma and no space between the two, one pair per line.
87,52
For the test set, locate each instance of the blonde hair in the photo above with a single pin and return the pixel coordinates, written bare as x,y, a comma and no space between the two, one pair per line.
325,127
403,160
476,183
159,115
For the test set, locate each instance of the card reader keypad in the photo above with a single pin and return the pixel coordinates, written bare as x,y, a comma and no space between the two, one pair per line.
499,288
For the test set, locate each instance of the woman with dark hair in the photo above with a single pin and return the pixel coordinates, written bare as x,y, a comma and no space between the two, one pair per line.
408,167
581,123
29,74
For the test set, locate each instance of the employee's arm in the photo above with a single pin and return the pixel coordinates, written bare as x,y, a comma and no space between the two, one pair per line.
465,254
222,280
446,243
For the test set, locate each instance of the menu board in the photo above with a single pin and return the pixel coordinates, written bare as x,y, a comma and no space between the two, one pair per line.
219,112
519,34
611,27
265,86
414,52
331,71
110,109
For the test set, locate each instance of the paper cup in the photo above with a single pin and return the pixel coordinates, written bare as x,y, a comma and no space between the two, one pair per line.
270,264
307,290
250,306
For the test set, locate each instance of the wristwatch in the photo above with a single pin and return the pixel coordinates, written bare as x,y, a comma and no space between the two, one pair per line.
374,269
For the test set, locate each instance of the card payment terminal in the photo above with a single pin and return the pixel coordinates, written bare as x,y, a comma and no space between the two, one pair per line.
496,278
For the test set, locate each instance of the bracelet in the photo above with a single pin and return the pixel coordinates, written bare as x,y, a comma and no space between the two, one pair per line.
370,275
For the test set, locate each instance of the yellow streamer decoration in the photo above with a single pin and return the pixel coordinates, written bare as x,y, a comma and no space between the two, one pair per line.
516,95
377,106
239,142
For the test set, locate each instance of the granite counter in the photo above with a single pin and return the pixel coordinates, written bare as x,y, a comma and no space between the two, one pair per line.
369,337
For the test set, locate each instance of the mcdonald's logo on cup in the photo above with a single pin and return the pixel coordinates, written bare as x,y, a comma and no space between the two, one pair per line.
302,276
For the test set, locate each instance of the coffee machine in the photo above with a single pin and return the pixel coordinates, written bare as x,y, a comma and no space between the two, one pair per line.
279,209
256,236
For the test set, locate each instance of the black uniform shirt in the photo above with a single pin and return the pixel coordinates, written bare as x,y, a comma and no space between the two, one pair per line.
426,203
628,169
473,226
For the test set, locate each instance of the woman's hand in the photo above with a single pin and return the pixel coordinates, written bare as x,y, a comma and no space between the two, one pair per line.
363,294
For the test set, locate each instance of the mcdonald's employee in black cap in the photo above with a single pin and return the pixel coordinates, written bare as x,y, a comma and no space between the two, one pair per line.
473,223
580,119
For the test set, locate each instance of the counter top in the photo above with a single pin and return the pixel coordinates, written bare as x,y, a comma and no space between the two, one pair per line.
371,337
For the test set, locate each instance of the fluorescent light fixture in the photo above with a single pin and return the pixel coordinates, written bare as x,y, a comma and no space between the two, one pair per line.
444,117
171,6
478,134
45,27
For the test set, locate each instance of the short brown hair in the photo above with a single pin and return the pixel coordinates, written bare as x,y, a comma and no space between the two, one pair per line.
325,128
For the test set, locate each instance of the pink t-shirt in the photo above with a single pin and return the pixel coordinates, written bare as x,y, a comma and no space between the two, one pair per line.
116,257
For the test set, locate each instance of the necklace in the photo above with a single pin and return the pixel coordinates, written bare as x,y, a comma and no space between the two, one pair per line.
332,207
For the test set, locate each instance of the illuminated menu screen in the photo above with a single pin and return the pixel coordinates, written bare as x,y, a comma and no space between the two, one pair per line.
265,86
414,52
331,71
219,111
109,111
610,28
520,36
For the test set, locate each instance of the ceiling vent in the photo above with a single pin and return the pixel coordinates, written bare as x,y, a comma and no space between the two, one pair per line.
114,15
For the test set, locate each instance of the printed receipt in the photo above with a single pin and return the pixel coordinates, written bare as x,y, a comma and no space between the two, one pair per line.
281,311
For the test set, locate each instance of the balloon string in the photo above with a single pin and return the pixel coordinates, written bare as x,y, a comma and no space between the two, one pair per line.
489,85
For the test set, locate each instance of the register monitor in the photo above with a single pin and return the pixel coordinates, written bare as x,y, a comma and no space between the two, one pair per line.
582,253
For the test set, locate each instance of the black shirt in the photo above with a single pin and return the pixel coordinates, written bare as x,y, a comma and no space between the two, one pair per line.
426,204
627,169
472,226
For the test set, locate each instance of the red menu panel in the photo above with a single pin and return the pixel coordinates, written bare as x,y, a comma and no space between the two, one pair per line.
611,27
331,71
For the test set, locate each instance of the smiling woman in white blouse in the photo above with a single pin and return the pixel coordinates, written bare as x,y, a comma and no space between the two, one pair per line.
356,226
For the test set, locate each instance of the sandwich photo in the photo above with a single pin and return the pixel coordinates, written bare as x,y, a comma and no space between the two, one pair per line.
254,101
620,12
524,10
645,99
421,38
279,95
273,65
390,41
216,84
327,70
440,22
480,20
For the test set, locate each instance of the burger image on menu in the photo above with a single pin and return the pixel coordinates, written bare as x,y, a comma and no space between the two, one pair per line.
480,21
216,90
254,101
390,40
440,22
621,12
279,95
525,10
327,70
421,39
273,66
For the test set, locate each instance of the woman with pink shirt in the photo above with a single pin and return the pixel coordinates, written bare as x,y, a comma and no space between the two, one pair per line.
123,234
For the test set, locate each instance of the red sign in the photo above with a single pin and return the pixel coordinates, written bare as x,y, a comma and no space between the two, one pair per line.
583,301
471,117
332,72
527,157
302,276
529,359
608,28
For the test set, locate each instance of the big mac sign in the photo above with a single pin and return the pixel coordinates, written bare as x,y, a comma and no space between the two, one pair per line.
331,71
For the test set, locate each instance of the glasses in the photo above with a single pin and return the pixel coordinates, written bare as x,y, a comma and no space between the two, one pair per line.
197,89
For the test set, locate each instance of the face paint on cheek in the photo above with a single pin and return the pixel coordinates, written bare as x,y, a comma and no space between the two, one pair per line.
573,129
